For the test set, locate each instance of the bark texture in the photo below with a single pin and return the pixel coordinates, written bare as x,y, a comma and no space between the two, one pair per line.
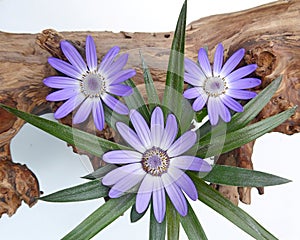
269,33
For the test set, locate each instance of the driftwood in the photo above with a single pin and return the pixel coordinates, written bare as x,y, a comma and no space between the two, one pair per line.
270,34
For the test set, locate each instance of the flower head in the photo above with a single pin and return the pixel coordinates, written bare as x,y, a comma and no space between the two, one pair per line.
156,164
218,87
87,84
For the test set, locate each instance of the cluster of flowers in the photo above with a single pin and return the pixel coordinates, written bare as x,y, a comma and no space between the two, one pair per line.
156,163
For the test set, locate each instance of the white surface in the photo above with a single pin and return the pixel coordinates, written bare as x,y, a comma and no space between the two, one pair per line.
57,167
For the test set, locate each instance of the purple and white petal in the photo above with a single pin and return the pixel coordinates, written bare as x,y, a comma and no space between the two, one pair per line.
119,90
63,94
122,157
190,163
141,128
182,144
212,110
64,67
121,76
170,132
240,94
108,59
231,103
218,60
157,126
73,56
232,62
69,106
61,82
98,114
117,66
175,194
119,173
192,93
200,101
130,137
126,184
204,62
91,54
115,104
241,72
193,69
159,200
244,83
83,111
222,110
184,182
143,196
193,79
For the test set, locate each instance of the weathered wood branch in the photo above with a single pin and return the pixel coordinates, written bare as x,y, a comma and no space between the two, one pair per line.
270,34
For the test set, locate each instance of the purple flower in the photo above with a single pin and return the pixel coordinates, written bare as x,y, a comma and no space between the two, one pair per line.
155,165
87,84
218,87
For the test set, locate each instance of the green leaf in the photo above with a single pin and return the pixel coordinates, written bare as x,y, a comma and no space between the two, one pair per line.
82,140
232,140
136,101
157,230
234,176
153,99
100,172
192,226
86,191
134,215
174,83
101,218
223,206
173,224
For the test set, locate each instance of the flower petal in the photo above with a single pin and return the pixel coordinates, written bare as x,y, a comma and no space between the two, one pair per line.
73,56
193,69
241,94
241,72
115,104
192,93
119,90
232,62
184,182
144,194
175,194
218,60
61,82
204,62
63,94
130,137
64,67
170,132
157,126
91,54
126,183
200,101
245,83
117,66
231,103
193,79
141,128
108,59
212,110
121,76
122,157
98,114
190,163
69,106
159,200
182,144
119,173
83,111
223,110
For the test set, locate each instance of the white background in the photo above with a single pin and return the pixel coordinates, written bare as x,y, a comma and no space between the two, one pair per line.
57,167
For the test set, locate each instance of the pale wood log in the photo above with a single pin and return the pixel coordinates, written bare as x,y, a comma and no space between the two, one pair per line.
269,33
